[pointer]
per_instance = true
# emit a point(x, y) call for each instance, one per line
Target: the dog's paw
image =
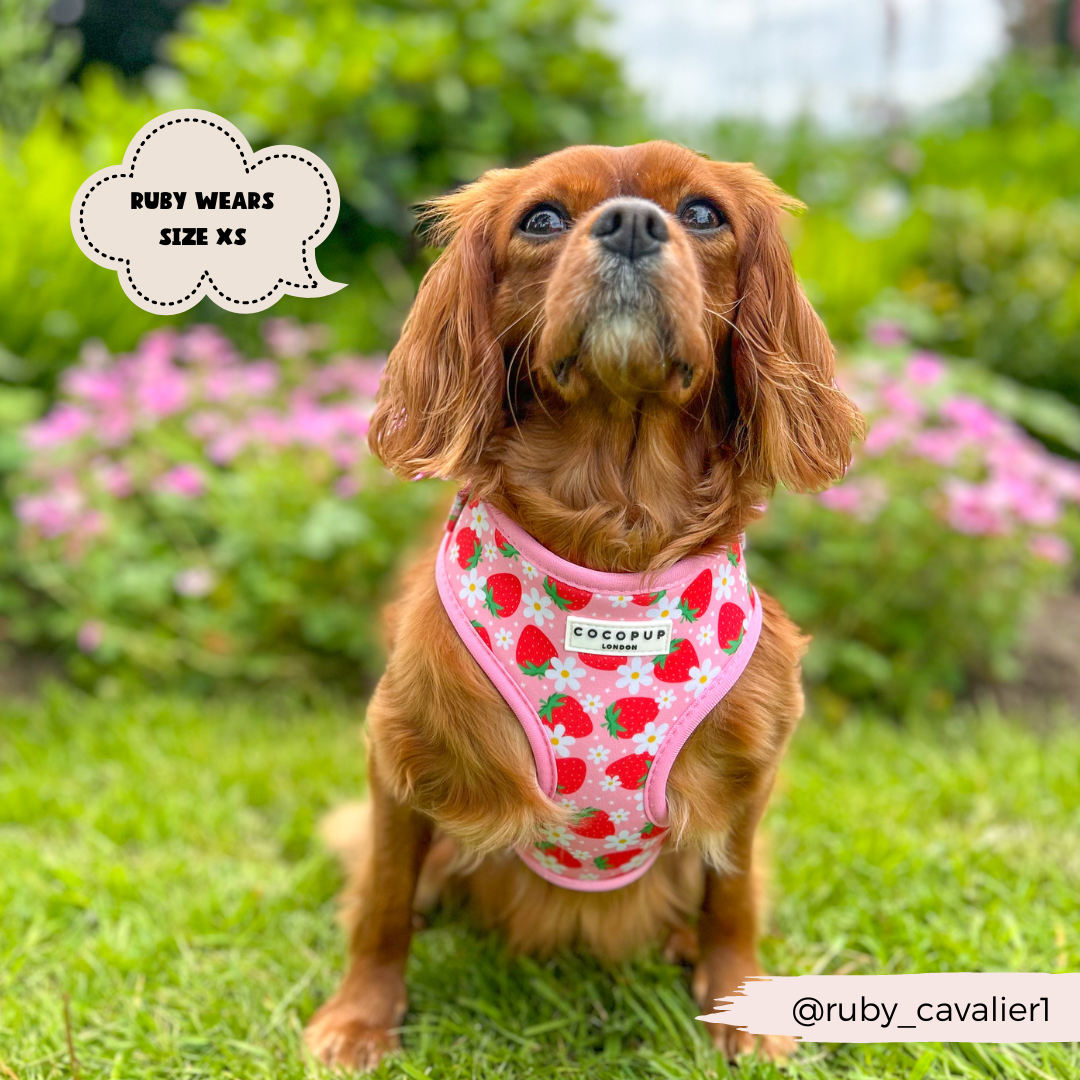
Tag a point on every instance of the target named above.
point(735, 1043)
point(682, 946)
point(340, 1036)
point(719, 975)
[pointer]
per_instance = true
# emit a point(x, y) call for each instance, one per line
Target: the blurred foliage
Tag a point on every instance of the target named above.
point(34, 59)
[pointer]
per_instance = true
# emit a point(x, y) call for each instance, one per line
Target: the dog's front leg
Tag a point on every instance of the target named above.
point(727, 939)
point(355, 1028)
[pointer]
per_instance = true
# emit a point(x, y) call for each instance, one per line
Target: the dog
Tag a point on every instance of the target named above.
point(613, 355)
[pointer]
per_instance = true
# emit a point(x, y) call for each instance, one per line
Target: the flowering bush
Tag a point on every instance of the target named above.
point(187, 509)
point(916, 573)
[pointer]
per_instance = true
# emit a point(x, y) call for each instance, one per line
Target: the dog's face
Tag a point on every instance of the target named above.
point(640, 277)
point(629, 261)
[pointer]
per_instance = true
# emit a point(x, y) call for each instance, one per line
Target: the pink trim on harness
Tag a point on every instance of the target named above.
point(609, 675)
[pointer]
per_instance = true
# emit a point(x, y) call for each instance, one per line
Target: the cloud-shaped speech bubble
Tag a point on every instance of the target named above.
point(192, 211)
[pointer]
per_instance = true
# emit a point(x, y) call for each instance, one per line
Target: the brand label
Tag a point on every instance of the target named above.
point(638, 637)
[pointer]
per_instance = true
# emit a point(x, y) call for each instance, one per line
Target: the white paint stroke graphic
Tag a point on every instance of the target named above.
point(998, 1007)
point(192, 211)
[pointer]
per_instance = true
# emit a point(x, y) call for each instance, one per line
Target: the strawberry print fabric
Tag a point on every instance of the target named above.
point(604, 729)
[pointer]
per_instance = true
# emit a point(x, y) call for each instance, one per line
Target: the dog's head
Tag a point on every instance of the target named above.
point(621, 279)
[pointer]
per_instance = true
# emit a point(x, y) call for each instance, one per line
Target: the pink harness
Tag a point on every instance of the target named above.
point(609, 675)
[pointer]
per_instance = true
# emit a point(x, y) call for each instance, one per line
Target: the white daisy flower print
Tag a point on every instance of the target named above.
point(559, 834)
point(610, 783)
point(667, 607)
point(620, 601)
point(581, 856)
point(565, 672)
point(480, 521)
point(538, 607)
point(548, 862)
point(598, 754)
point(743, 579)
point(620, 815)
point(700, 677)
point(637, 860)
point(560, 741)
point(592, 703)
point(528, 569)
point(568, 804)
point(472, 588)
point(665, 699)
point(706, 635)
point(622, 840)
point(634, 675)
point(648, 741)
point(491, 552)
point(503, 638)
point(725, 581)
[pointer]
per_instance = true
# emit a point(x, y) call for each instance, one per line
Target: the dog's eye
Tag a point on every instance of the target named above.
point(701, 216)
point(543, 221)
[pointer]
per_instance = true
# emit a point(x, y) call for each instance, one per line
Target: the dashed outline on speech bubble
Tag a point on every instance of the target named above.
point(313, 283)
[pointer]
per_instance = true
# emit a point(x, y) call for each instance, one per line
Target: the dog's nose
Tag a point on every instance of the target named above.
point(631, 228)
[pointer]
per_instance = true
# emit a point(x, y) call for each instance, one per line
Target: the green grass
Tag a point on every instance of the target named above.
point(158, 870)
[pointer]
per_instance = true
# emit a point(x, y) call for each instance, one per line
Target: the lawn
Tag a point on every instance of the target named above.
point(159, 872)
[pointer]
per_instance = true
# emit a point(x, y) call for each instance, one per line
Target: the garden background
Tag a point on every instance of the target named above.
point(194, 544)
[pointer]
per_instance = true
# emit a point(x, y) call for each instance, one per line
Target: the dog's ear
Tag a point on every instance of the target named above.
point(441, 392)
point(794, 424)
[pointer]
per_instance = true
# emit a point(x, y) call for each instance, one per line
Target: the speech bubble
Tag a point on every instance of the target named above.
point(193, 212)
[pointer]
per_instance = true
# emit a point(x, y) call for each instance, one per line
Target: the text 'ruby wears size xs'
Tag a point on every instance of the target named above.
point(608, 674)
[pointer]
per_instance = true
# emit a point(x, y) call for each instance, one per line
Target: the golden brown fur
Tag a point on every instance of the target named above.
point(623, 435)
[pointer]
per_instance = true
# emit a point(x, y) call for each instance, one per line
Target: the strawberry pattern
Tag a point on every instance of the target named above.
point(604, 729)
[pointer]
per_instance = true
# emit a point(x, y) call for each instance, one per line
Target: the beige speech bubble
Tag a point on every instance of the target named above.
point(192, 211)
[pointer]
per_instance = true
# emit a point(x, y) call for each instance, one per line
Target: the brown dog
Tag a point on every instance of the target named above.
point(613, 351)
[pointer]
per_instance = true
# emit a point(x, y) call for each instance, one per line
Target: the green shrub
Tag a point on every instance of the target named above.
point(403, 100)
point(183, 511)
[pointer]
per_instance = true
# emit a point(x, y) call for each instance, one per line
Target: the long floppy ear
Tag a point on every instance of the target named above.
point(441, 391)
point(795, 425)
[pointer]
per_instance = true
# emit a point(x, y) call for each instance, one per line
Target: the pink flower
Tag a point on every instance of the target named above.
point(227, 445)
point(883, 433)
point(1050, 547)
point(194, 582)
point(183, 480)
point(53, 513)
point(942, 446)
point(90, 636)
point(63, 424)
point(208, 346)
point(287, 337)
point(114, 478)
point(925, 368)
point(162, 392)
point(116, 426)
point(887, 333)
point(975, 509)
point(902, 403)
point(206, 425)
point(976, 420)
point(98, 386)
point(861, 497)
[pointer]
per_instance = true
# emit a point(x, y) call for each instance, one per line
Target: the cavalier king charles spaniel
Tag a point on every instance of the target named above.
point(613, 353)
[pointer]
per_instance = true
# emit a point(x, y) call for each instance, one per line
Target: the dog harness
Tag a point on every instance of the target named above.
point(609, 675)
